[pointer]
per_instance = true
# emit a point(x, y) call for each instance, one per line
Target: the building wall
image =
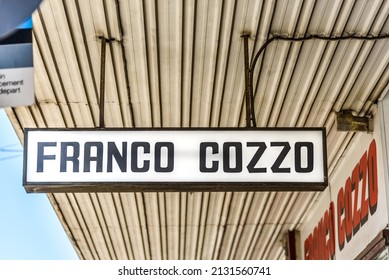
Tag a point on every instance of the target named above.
point(353, 210)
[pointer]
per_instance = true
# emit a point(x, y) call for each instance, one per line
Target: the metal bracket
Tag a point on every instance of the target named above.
point(250, 117)
point(104, 41)
point(346, 121)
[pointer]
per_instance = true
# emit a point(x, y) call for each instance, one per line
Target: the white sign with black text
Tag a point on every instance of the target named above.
point(199, 156)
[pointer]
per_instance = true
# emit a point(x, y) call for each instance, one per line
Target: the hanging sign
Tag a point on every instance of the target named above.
point(174, 159)
point(16, 68)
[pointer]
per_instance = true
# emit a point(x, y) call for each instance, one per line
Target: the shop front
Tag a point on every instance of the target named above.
point(350, 218)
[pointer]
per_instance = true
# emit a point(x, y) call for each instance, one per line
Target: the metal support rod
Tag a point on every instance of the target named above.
point(247, 79)
point(252, 113)
point(102, 82)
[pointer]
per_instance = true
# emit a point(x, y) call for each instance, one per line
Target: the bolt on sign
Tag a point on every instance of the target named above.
point(83, 160)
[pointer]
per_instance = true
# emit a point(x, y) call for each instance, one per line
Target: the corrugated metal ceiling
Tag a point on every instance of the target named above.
point(181, 64)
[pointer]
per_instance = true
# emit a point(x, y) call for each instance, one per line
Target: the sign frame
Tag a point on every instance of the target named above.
point(176, 186)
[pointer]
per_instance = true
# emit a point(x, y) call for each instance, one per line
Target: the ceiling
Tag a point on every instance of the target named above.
point(181, 64)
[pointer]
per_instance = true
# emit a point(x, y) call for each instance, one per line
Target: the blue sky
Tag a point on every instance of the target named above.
point(29, 227)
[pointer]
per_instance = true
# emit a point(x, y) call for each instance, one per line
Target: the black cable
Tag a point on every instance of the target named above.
point(300, 39)
point(314, 37)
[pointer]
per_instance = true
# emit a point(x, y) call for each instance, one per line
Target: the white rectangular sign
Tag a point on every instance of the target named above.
point(183, 159)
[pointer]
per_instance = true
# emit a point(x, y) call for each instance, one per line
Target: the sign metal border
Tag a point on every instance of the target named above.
point(85, 187)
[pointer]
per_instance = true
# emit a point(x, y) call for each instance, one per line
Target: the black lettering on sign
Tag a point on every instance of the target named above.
point(168, 148)
point(299, 147)
point(41, 154)
point(257, 156)
point(285, 150)
point(227, 166)
point(134, 156)
point(120, 158)
point(97, 148)
point(65, 157)
point(214, 147)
